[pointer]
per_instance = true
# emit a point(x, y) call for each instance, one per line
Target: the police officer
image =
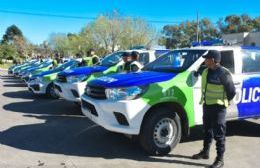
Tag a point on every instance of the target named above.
point(217, 91)
point(131, 63)
point(56, 61)
point(91, 59)
point(125, 67)
point(135, 64)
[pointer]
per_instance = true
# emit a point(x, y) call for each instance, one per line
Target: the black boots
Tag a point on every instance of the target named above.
point(219, 163)
point(201, 155)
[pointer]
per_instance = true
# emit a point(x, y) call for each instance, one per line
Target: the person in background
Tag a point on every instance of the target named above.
point(91, 58)
point(131, 63)
point(125, 67)
point(56, 61)
point(135, 64)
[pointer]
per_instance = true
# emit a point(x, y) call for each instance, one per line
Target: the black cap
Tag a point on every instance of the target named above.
point(213, 54)
point(126, 54)
point(134, 53)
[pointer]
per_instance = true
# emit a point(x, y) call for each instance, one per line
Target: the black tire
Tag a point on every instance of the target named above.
point(78, 104)
point(155, 126)
point(50, 92)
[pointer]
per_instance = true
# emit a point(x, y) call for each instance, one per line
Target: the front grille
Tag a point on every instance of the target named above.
point(62, 79)
point(35, 87)
point(75, 93)
point(57, 87)
point(95, 92)
point(26, 79)
point(91, 108)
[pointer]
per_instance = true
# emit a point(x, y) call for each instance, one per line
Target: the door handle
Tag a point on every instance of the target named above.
point(237, 83)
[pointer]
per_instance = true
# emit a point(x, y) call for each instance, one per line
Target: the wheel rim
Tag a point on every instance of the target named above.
point(53, 92)
point(164, 132)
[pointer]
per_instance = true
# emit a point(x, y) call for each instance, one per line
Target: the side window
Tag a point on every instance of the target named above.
point(227, 60)
point(144, 58)
point(251, 61)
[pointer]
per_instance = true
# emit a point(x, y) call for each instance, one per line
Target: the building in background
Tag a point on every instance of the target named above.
point(246, 38)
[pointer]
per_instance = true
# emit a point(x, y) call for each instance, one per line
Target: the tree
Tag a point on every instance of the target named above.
point(208, 30)
point(11, 32)
point(238, 24)
point(60, 43)
point(183, 34)
point(256, 24)
point(136, 32)
point(107, 33)
point(8, 51)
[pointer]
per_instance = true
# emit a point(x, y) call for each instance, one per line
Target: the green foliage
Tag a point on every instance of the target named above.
point(106, 34)
point(239, 24)
point(10, 33)
point(181, 35)
point(8, 51)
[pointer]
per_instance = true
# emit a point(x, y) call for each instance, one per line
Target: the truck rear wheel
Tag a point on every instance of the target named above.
point(161, 131)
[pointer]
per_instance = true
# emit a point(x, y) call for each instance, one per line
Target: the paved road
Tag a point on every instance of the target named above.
point(36, 132)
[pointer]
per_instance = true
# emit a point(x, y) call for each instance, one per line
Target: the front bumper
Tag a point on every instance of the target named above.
point(16, 74)
point(10, 72)
point(38, 88)
point(118, 116)
point(25, 78)
point(70, 91)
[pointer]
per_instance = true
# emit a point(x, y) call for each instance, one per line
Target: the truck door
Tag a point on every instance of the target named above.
point(231, 59)
point(248, 97)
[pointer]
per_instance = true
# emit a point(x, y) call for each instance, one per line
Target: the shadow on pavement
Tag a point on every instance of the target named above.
point(240, 128)
point(13, 81)
point(23, 94)
point(44, 106)
point(6, 77)
point(15, 85)
point(77, 136)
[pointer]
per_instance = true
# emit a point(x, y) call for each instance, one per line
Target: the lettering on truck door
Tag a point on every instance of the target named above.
point(248, 96)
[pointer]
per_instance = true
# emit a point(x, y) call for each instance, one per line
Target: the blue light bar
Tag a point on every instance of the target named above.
point(214, 42)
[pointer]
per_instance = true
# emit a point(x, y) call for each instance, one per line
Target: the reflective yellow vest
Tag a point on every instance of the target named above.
point(212, 93)
point(122, 68)
point(89, 60)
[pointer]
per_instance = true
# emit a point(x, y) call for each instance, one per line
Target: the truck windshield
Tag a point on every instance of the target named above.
point(175, 61)
point(68, 64)
point(112, 59)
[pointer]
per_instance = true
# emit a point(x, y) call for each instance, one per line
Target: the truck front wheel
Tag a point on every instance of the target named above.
point(161, 131)
point(50, 91)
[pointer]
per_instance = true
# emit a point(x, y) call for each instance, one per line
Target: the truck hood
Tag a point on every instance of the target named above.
point(131, 79)
point(38, 67)
point(56, 70)
point(83, 70)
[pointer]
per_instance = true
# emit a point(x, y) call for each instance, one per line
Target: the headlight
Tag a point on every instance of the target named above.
point(128, 93)
point(38, 79)
point(26, 74)
point(77, 78)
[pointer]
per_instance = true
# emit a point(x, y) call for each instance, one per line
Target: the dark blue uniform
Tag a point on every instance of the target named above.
point(214, 116)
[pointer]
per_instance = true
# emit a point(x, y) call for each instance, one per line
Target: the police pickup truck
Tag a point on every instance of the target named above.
point(71, 84)
point(160, 104)
point(42, 83)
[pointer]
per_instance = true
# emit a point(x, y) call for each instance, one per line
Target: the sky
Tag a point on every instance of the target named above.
point(38, 28)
